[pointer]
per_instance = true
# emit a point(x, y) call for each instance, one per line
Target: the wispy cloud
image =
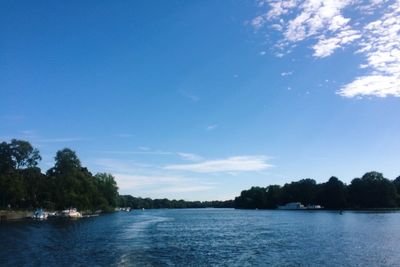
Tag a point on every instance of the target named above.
point(190, 156)
point(141, 152)
point(283, 74)
point(211, 127)
point(325, 23)
point(185, 188)
point(28, 133)
point(131, 176)
point(190, 95)
point(59, 140)
point(231, 164)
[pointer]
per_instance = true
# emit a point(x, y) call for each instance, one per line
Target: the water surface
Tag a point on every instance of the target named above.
point(205, 237)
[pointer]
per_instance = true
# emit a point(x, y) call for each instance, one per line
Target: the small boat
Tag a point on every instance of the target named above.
point(39, 214)
point(292, 206)
point(71, 213)
point(314, 207)
point(127, 209)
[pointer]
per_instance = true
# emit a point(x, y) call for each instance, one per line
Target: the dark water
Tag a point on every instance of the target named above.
point(206, 237)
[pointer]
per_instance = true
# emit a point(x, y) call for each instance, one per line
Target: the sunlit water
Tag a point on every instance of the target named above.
point(206, 237)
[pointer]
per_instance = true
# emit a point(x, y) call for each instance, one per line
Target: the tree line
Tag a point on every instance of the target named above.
point(67, 184)
point(148, 203)
point(370, 191)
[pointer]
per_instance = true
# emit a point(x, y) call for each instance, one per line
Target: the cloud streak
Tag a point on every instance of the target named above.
point(59, 140)
point(131, 176)
point(231, 164)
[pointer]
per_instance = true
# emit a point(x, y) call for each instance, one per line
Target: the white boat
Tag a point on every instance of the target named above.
point(292, 206)
point(314, 207)
point(71, 213)
point(39, 214)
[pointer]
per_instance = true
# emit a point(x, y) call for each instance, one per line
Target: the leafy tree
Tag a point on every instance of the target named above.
point(304, 191)
point(372, 191)
point(6, 163)
point(333, 194)
point(396, 183)
point(17, 158)
point(108, 188)
point(253, 198)
point(23, 154)
point(73, 184)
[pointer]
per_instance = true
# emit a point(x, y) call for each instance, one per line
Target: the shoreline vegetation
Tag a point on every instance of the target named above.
point(24, 188)
point(370, 192)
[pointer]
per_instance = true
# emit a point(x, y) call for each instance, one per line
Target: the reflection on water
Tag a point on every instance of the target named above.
point(205, 237)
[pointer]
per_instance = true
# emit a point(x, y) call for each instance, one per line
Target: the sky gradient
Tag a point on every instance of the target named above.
point(202, 99)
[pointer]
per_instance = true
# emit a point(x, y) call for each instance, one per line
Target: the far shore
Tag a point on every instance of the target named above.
point(12, 215)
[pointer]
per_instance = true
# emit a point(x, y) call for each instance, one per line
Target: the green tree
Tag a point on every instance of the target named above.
point(73, 185)
point(333, 194)
point(107, 188)
point(18, 159)
point(396, 183)
point(372, 191)
point(304, 191)
point(23, 154)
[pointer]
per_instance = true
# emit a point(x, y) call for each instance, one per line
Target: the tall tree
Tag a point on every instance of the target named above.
point(372, 191)
point(17, 159)
point(23, 154)
point(108, 188)
point(333, 194)
point(304, 191)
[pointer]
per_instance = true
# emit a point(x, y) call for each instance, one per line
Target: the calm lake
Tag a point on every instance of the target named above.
point(205, 237)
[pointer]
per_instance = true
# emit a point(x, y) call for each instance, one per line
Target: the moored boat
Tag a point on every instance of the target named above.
point(71, 213)
point(292, 206)
point(39, 214)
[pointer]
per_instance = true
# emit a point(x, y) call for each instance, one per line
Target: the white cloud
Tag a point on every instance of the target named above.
point(325, 23)
point(140, 152)
point(185, 189)
point(189, 156)
point(326, 46)
point(280, 7)
point(286, 73)
point(377, 85)
point(258, 22)
point(132, 181)
point(131, 176)
point(231, 164)
point(211, 127)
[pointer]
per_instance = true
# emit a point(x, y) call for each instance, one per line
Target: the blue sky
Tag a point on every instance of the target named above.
point(202, 99)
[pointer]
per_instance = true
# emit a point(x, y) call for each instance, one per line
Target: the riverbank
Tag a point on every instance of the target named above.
point(12, 215)
point(6, 215)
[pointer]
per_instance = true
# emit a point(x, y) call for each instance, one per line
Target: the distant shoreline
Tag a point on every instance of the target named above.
point(16, 215)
